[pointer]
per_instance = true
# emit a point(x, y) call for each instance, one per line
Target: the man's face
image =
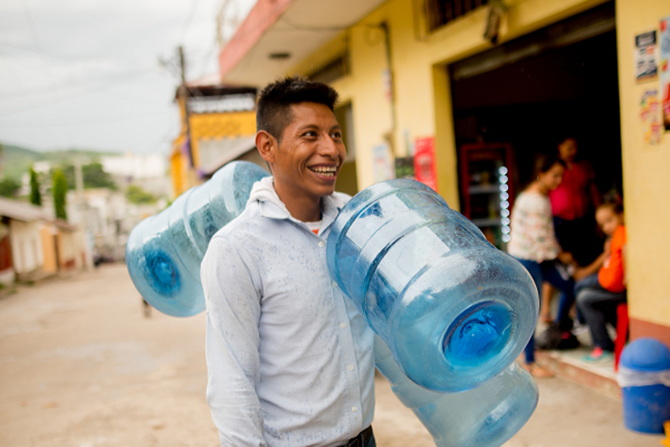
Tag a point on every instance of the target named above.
point(306, 162)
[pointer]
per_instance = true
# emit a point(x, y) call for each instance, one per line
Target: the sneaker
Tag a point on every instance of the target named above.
point(597, 355)
point(580, 328)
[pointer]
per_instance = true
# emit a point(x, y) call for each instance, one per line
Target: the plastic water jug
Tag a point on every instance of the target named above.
point(644, 377)
point(453, 309)
point(484, 416)
point(164, 251)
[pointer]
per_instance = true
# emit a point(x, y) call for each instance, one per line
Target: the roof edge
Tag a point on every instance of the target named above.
point(262, 16)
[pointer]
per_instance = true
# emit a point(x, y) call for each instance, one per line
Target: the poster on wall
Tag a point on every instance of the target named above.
point(665, 72)
point(649, 115)
point(646, 66)
point(404, 167)
point(424, 161)
point(382, 163)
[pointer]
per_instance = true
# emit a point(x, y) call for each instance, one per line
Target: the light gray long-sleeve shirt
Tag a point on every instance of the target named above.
point(289, 356)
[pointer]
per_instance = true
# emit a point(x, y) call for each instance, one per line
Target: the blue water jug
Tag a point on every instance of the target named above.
point(644, 377)
point(484, 416)
point(453, 309)
point(164, 251)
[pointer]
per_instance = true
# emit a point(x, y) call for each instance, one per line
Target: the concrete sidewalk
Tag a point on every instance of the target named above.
point(567, 415)
point(82, 366)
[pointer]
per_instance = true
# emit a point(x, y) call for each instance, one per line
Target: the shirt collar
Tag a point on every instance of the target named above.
point(270, 205)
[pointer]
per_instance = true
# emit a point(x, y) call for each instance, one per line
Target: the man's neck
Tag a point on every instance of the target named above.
point(304, 209)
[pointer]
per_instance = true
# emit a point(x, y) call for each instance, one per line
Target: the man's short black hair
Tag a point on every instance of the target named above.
point(273, 111)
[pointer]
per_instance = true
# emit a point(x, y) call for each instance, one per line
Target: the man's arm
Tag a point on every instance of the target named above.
point(233, 312)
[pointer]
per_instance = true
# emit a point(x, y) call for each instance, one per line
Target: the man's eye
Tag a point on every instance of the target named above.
point(337, 135)
point(309, 133)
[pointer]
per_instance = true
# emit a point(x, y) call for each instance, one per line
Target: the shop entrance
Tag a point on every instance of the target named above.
point(528, 93)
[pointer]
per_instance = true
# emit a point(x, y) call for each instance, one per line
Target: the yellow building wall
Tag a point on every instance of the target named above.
point(422, 101)
point(49, 249)
point(179, 167)
point(181, 171)
point(204, 126)
point(646, 181)
point(220, 125)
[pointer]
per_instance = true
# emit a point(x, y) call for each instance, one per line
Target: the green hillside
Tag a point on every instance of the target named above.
point(15, 161)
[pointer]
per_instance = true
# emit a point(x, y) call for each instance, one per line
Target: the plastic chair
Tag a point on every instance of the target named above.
point(621, 332)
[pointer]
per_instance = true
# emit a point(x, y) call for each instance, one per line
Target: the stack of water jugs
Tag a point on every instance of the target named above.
point(451, 312)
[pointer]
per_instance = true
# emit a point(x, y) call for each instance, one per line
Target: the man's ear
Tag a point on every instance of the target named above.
point(266, 144)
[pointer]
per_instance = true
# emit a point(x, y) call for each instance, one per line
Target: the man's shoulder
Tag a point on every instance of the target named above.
point(236, 235)
point(244, 222)
point(340, 198)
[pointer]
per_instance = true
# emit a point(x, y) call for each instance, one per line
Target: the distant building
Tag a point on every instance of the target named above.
point(108, 218)
point(218, 125)
point(34, 245)
point(148, 171)
point(137, 166)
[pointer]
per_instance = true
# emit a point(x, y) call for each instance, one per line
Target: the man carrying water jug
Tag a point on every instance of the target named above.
point(289, 357)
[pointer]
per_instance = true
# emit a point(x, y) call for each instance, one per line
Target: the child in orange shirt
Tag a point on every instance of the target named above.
point(599, 294)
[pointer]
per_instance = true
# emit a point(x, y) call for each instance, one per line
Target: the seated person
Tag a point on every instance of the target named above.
point(601, 285)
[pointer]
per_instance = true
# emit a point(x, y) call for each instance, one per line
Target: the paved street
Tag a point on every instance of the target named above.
point(81, 366)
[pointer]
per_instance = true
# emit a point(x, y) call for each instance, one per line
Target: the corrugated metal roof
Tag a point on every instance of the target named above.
point(22, 211)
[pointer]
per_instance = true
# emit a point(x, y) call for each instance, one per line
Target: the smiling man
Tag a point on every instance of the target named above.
point(289, 357)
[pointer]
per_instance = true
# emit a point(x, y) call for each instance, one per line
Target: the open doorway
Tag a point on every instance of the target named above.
point(558, 81)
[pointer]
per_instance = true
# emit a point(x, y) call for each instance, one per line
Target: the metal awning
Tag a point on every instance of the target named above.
point(296, 28)
point(217, 152)
point(22, 211)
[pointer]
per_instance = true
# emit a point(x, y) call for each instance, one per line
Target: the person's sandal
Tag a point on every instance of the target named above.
point(538, 371)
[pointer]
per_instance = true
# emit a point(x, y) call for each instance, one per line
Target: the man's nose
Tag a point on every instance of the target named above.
point(330, 147)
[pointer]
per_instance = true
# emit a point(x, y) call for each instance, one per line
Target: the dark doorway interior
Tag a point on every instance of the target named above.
point(561, 80)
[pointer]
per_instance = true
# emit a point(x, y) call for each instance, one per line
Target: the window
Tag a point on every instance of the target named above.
point(332, 71)
point(441, 12)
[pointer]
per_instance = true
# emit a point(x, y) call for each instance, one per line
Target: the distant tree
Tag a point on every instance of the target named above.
point(59, 189)
point(138, 196)
point(9, 187)
point(94, 176)
point(35, 194)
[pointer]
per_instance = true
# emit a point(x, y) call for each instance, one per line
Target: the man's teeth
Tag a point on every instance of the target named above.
point(325, 170)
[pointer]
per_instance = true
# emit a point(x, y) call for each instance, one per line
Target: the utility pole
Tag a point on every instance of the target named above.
point(183, 96)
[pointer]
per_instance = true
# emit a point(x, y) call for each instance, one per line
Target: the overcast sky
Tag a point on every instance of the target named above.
point(87, 74)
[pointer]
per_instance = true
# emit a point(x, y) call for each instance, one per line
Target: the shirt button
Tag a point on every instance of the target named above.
point(354, 409)
point(343, 325)
point(322, 244)
point(350, 367)
point(334, 283)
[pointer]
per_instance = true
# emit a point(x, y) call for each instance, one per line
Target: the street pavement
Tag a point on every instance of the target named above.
point(83, 366)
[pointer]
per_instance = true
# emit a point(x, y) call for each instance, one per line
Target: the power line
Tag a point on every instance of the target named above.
point(189, 20)
point(66, 84)
point(73, 91)
point(31, 24)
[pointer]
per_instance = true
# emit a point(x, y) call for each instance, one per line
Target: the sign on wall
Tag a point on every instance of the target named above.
point(382, 163)
point(424, 161)
point(665, 72)
point(646, 66)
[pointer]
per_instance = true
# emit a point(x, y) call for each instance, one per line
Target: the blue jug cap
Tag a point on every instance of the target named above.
point(646, 354)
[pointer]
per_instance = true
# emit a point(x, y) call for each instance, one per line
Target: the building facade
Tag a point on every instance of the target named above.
point(218, 124)
point(423, 82)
